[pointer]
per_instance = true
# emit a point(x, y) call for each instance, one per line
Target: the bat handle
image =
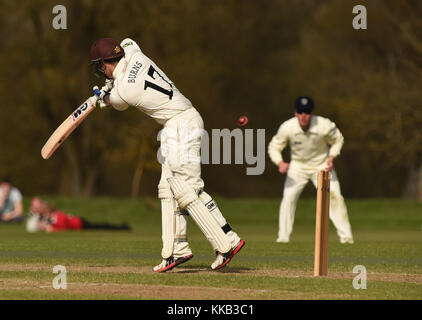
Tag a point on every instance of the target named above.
point(97, 92)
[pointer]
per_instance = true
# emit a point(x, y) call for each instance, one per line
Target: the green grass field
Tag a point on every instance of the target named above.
point(118, 265)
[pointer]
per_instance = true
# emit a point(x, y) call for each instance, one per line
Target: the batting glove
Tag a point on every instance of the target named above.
point(109, 83)
point(101, 94)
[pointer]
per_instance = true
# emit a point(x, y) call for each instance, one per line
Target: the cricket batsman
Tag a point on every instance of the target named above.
point(132, 79)
point(314, 143)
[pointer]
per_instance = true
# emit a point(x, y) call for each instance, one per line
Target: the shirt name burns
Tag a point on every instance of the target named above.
point(133, 73)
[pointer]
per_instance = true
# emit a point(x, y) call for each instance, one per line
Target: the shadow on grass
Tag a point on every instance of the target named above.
point(201, 269)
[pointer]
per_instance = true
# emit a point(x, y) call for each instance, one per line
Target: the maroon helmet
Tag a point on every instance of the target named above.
point(104, 49)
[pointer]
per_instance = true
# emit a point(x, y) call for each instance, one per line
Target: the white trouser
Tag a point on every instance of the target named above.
point(295, 182)
point(180, 146)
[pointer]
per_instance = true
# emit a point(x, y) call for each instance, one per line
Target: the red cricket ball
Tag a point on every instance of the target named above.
point(242, 121)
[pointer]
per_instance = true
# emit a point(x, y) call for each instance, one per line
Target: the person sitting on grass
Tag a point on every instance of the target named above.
point(45, 217)
point(11, 207)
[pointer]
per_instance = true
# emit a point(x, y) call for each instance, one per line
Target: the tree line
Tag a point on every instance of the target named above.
point(230, 58)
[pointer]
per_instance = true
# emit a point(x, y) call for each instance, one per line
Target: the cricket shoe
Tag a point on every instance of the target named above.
point(170, 263)
point(224, 258)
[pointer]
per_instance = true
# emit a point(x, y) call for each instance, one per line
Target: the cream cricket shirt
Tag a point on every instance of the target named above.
point(310, 148)
point(140, 83)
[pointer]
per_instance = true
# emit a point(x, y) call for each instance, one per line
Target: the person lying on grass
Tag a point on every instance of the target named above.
point(45, 217)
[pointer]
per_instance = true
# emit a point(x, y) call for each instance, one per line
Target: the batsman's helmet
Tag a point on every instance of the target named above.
point(104, 49)
point(304, 104)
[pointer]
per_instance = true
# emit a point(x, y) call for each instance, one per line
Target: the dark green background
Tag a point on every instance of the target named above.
point(230, 58)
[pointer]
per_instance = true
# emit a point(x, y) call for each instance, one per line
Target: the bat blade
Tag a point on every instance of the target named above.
point(67, 127)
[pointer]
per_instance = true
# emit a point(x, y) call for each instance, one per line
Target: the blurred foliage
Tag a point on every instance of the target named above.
point(230, 58)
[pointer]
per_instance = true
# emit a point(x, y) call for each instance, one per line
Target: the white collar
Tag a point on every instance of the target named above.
point(121, 67)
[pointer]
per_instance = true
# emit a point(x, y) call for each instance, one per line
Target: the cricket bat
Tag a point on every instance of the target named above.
point(67, 126)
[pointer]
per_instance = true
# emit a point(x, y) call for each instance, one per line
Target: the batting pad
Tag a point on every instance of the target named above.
point(187, 199)
point(181, 225)
point(212, 207)
point(167, 219)
point(181, 245)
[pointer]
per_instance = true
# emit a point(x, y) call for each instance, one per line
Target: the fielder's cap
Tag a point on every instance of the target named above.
point(304, 104)
point(106, 49)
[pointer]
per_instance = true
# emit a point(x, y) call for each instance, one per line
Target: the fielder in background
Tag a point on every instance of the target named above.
point(132, 79)
point(11, 207)
point(314, 143)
